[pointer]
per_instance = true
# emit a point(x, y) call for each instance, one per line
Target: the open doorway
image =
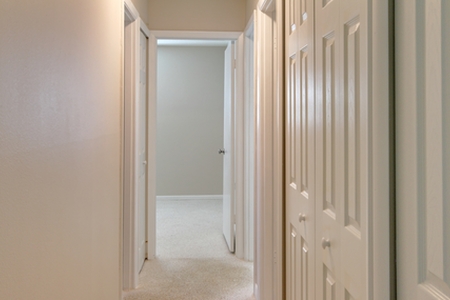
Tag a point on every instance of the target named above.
point(178, 154)
point(193, 123)
point(190, 123)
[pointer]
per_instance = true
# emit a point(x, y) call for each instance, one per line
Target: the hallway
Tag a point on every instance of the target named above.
point(351, 144)
point(193, 261)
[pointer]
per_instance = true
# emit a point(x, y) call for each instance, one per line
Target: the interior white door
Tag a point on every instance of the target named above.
point(300, 150)
point(342, 174)
point(423, 149)
point(228, 147)
point(142, 153)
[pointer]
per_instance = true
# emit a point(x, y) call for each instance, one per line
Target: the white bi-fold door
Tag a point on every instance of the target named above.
point(342, 136)
point(300, 150)
point(423, 149)
point(327, 150)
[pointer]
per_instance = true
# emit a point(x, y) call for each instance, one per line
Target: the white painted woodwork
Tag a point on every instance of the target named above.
point(137, 189)
point(189, 197)
point(154, 36)
point(240, 181)
point(300, 150)
point(249, 140)
point(423, 149)
point(342, 174)
point(131, 91)
point(142, 153)
point(269, 152)
point(228, 146)
point(336, 116)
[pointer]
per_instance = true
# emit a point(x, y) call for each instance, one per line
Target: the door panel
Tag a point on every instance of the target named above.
point(423, 149)
point(228, 146)
point(300, 150)
point(342, 149)
point(142, 153)
point(328, 149)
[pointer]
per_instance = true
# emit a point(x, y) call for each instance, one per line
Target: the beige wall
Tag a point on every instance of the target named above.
point(60, 108)
point(197, 15)
point(142, 7)
point(190, 120)
point(250, 5)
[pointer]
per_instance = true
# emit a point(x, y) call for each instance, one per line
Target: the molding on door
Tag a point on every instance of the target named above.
point(131, 13)
point(239, 154)
point(269, 200)
point(267, 6)
point(129, 265)
point(188, 197)
point(131, 94)
point(198, 35)
point(382, 176)
point(249, 141)
point(178, 35)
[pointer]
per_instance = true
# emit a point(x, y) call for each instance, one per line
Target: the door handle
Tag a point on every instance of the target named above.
point(325, 243)
point(222, 151)
point(301, 218)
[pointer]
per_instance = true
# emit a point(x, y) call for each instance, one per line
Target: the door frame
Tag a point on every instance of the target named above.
point(131, 60)
point(245, 233)
point(269, 178)
point(154, 35)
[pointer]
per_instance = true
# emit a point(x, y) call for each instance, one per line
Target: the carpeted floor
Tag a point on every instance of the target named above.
point(193, 261)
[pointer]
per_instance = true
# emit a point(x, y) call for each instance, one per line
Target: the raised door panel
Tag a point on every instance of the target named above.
point(356, 137)
point(423, 150)
point(343, 137)
point(329, 156)
point(300, 205)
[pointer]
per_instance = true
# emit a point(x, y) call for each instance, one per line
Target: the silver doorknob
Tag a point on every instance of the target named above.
point(301, 218)
point(221, 151)
point(144, 162)
point(325, 243)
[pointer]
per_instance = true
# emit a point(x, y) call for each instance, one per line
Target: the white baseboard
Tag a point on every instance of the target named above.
point(189, 197)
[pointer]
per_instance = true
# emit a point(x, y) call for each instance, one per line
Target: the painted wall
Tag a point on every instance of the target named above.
point(142, 7)
point(60, 141)
point(197, 15)
point(190, 120)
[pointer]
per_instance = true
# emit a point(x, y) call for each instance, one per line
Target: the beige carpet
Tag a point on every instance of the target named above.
point(193, 261)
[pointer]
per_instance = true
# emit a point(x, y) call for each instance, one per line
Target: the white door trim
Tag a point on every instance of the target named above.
point(155, 35)
point(130, 11)
point(239, 154)
point(248, 144)
point(196, 35)
point(269, 152)
point(381, 204)
point(131, 59)
point(131, 91)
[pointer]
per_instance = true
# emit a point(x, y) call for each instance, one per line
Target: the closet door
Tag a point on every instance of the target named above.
point(342, 174)
point(300, 150)
point(423, 149)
